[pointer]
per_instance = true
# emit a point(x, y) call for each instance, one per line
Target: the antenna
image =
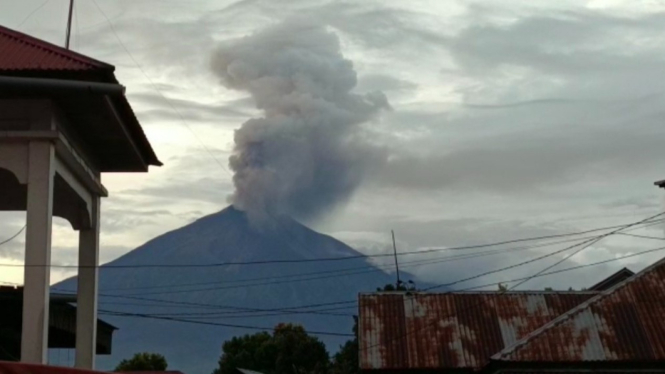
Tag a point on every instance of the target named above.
point(395, 254)
point(69, 23)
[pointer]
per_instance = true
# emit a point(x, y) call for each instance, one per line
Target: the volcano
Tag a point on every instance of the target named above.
point(227, 290)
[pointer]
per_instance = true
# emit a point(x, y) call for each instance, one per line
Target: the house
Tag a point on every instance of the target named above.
point(62, 324)
point(618, 328)
point(612, 280)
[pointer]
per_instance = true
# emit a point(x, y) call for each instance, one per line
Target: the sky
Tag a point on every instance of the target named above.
point(507, 120)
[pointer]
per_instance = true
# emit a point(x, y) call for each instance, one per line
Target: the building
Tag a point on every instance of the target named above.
point(18, 368)
point(64, 121)
point(62, 324)
point(619, 328)
point(612, 280)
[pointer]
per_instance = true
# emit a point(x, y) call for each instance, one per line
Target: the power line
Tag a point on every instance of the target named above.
point(345, 271)
point(13, 236)
point(226, 314)
point(247, 327)
point(589, 242)
point(641, 236)
point(154, 86)
point(348, 272)
point(31, 13)
point(353, 301)
point(320, 259)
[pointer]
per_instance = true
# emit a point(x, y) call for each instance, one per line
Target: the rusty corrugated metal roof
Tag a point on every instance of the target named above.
point(624, 323)
point(451, 330)
point(19, 52)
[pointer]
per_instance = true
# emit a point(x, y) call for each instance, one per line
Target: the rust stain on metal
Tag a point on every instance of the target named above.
point(451, 330)
point(624, 323)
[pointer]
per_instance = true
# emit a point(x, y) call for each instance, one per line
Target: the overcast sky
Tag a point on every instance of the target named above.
point(508, 120)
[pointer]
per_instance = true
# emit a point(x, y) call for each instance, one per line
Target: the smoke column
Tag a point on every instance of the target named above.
point(311, 148)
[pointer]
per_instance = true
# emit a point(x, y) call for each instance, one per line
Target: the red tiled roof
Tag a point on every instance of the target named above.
point(27, 57)
point(20, 52)
point(21, 368)
point(451, 330)
point(624, 323)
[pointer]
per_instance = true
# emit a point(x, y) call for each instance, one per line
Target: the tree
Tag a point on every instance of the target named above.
point(289, 350)
point(143, 362)
point(346, 360)
point(401, 286)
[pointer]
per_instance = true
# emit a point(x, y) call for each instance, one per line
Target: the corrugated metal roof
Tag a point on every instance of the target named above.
point(624, 323)
point(451, 330)
point(20, 52)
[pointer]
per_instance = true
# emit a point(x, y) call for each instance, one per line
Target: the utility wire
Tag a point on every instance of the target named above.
point(641, 236)
point(320, 259)
point(354, 301)
point(587, 244)
point(31, 14)
point(343, 272)
point(13, 236)
point(154, 86)
point(370, 268)
point(590, 244)
point(247, 327)
point(226, 314)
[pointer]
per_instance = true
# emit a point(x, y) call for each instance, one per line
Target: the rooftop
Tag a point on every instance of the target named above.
point(106, 123)
point(623, 323)
point(451, 330)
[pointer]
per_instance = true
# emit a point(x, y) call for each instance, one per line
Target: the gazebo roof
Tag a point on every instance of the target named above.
point(105, 123)
point(21, 52)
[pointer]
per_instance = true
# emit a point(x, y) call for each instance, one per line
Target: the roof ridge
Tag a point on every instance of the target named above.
point(566, 316)
point(53, 48)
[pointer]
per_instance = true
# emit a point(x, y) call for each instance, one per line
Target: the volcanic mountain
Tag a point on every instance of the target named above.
point(244, 271)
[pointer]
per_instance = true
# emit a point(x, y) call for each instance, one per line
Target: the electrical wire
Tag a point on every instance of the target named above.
point(13, 236)
point(31, 14)
point(247, 327)
point(354, 301)
point(289, 309)
point(346, 272)
point(321, 259)
point(587, 244)
point(590, 244)
point(154, 86)
point(230, 314)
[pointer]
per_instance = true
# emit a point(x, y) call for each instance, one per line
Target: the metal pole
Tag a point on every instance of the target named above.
point(69, 23)
point(395, 254)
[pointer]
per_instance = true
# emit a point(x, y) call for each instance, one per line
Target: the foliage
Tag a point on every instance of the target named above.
point(143, 362)
point(401, 286)
point(289, 350)
point(346, 360)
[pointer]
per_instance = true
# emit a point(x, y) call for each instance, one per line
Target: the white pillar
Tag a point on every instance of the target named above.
point(34, 334)
point(88, 277)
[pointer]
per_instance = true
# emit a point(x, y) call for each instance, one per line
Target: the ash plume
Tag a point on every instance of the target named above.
point(311, 147)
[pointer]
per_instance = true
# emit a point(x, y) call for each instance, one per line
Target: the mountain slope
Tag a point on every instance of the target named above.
point(226, 237)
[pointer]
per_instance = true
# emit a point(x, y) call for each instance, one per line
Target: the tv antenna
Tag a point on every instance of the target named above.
point(396, 262)
point(69, 23)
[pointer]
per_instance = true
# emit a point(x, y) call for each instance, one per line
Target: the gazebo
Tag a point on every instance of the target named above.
point(64, 120)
